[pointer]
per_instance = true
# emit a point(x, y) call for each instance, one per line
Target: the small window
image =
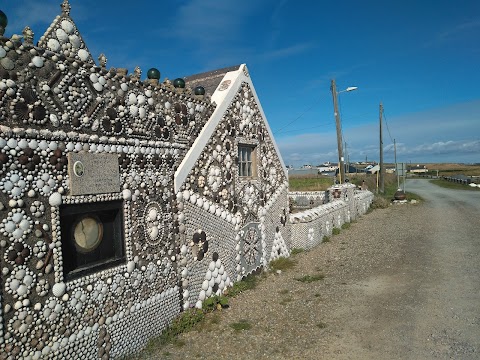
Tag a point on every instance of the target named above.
point(92, 237)
point(246, 161)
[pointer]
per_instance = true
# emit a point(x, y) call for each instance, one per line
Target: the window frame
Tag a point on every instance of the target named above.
point(247, 165)
point(78, 263)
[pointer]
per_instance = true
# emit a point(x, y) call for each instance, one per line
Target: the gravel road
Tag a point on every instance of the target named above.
point(400, 283)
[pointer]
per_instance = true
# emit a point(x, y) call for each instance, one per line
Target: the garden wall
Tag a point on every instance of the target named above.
point(309, 227)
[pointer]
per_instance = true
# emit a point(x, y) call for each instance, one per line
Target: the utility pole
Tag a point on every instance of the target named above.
point(347, 167)
point(341, 167)
point(382, 169)
point(396, 169)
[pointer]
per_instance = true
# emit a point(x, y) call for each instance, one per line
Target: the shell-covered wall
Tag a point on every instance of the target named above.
point(238, 220)
point(56, 106)
point(309, 227)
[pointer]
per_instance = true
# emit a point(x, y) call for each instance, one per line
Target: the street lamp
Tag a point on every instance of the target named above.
point(341, 164)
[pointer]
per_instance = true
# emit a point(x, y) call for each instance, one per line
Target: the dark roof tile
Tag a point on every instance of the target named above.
point(209, 80)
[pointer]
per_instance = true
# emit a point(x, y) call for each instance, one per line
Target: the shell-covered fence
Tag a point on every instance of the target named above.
point(309, 227)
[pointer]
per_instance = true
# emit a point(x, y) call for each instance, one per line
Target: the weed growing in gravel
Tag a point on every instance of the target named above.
point(296, 251)
point(317, 295)
point(285, 301)
point(335, 231)
point(326, 239)
point(321, 325)
point(241, 325)
point(310, 278)
point(215, 303)
point(181, 324)
point(248, 283)
point(346, 226)
point(379, 203)
point(282, 264)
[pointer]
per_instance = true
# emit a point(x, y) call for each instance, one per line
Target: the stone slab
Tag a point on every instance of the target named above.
point(93, 173)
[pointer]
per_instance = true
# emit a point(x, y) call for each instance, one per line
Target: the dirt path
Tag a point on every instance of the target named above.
point(401, 283)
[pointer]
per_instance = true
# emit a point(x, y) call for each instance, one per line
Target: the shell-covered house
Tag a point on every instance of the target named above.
point(124, 201)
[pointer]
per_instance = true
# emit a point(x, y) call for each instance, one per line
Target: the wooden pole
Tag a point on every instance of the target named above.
point(382, 168)
point(341, 167)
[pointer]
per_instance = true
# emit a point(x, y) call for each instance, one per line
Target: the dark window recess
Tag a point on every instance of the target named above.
point(92, 237)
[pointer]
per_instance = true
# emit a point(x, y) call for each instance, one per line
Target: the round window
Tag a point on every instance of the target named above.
point(88, 233)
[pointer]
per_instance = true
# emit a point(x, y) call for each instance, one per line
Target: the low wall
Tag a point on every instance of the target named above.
point(307, 199)
point(309, 227)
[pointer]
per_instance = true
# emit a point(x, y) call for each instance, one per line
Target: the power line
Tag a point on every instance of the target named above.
point(386, 123)
point(298, 117)
point(308, 128)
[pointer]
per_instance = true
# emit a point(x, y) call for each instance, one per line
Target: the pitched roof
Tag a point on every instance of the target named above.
point(209, 80)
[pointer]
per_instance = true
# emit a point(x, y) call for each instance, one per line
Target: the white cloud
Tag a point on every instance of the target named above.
point(444, 134)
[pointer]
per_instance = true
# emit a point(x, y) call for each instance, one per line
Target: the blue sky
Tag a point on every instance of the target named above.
point(419, 58)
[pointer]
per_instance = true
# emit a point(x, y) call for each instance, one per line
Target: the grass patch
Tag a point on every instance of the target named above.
point(285, 301)
point(282, 264)
point(248, 283)
point(185, 322)
point(310, 278)
point(321, 325)
point(451, 185)
point(296, 251)
point(346, 226)
point(241, 325)
point(379, 202)
point(335, 231)
point(326, 239)
point(215, 303)
point(317, 295)
point(309, 182)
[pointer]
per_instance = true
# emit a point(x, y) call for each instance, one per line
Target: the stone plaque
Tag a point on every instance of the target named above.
point(93, 173)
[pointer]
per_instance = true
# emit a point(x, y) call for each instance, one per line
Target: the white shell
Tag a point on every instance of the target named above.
point(53, 44)
point(59, 289)
point(127, 194)
point(75, 41)
point(130, 266)
point(97, 85)
point(55, 199)
point(83, 54)
point(67, 26)
point(37, 61)
point(61, 35)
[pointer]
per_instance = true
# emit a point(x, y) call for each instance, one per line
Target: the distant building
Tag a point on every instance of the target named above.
point(417, 169)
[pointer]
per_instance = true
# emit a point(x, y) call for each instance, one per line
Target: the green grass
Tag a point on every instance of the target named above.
point(335, 231)
point(451, 185)
point(282, 264)
point(296, 251)
point(241, 325)
point(309, 183)
point(248, 283)
point(326, 239)
point(310, 278)
point(346, 226)
point(390, 187)
point(185, 322)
